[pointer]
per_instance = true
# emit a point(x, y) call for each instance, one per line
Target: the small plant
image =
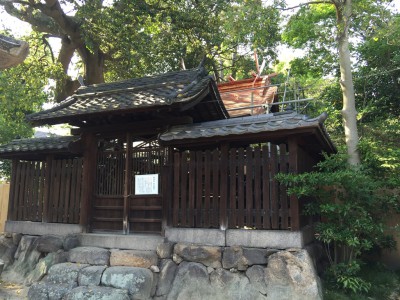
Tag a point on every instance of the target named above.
point(351, 203)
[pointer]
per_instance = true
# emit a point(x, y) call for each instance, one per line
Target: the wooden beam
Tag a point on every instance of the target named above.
point(139, 127)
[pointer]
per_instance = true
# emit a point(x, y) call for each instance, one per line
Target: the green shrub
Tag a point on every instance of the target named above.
point(351, 203)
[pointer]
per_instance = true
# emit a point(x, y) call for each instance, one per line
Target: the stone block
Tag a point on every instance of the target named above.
point(166, 277)
point(44, 265)
point(71, 241)
point(89, 255)
point(208, 255)
point(91, 275)
point(233, 258)
point(49, 243)
point(65, 273)
point(256, 256)
point(190, 282)
point(133, 258)
point(290, 275)
point(97, 293)
point(164, 250)
point(138, 281)
point(256, 276)
point(214, 237)
point(279, 239)
point(49, 291)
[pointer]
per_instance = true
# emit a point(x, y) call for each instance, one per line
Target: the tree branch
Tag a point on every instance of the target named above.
point(306, 4)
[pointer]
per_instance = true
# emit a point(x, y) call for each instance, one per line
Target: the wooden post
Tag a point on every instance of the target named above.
point(89, 172)
point(127, 183)
point(293, 168)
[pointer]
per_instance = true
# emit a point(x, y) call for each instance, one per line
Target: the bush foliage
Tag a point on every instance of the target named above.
point(352, 204)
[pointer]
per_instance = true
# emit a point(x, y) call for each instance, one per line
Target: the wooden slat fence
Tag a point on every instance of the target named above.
point(46, 192)
point(231, 188)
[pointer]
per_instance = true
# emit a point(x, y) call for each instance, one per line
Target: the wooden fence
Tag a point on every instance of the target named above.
point(46, 191)
point(231, 188)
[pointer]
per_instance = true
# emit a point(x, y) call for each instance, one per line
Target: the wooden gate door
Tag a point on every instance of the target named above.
point(145, 203)
point(128, 196)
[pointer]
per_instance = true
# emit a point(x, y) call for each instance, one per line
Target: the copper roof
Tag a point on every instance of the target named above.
point(248, 96)
point(181, 87)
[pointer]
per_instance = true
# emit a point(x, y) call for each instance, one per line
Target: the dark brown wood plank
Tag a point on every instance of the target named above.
point(72, 199)
point(192, 188)
point(274, 188)
point(42, 175)
point(223, 201)
point(28, 191)
point(233, 188)
point(241, 183)
point(199, 189)
point(68, 194)
point(47, 188)
point(266, 187)
point(12, 206)
point(127, 183)
point(283, 197)
point(207, 188)
point(88, 178)
point(257, 187)
point(78, 190)
point(57, 186)
point(293, 168)
point(184, 188)
point(176, 189)
point(21, 194)
point(249, 187)
point(215, 199)
point(35, 192)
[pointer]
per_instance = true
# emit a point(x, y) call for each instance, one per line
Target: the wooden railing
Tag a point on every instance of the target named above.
point(231, 188)
point(46, 191)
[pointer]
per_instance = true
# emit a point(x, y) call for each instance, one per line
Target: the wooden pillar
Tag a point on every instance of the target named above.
point(127, 183)
point(223, 212)
point(294, 168)
point(88, 178)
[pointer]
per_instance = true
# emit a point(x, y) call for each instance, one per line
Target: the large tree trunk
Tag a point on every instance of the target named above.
point(349, 113)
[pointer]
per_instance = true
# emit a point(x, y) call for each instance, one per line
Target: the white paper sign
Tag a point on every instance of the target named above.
point(146, 184)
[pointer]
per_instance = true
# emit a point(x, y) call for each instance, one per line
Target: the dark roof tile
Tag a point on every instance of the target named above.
point(38, 144)
point(236, 126)
point(161, 90)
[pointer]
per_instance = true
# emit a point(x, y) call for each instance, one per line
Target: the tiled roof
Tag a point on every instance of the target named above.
point(12, 52)
point(37, 144)
point(161, 90)
point(244, 125)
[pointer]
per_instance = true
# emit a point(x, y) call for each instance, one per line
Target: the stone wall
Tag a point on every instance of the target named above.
point(58, 267)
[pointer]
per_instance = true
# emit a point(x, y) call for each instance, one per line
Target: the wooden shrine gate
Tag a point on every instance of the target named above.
point(128, 196)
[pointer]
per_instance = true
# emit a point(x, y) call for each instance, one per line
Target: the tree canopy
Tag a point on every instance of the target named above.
point(121, 39)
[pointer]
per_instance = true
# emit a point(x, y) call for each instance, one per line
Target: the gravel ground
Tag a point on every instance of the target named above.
point(11, 291)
